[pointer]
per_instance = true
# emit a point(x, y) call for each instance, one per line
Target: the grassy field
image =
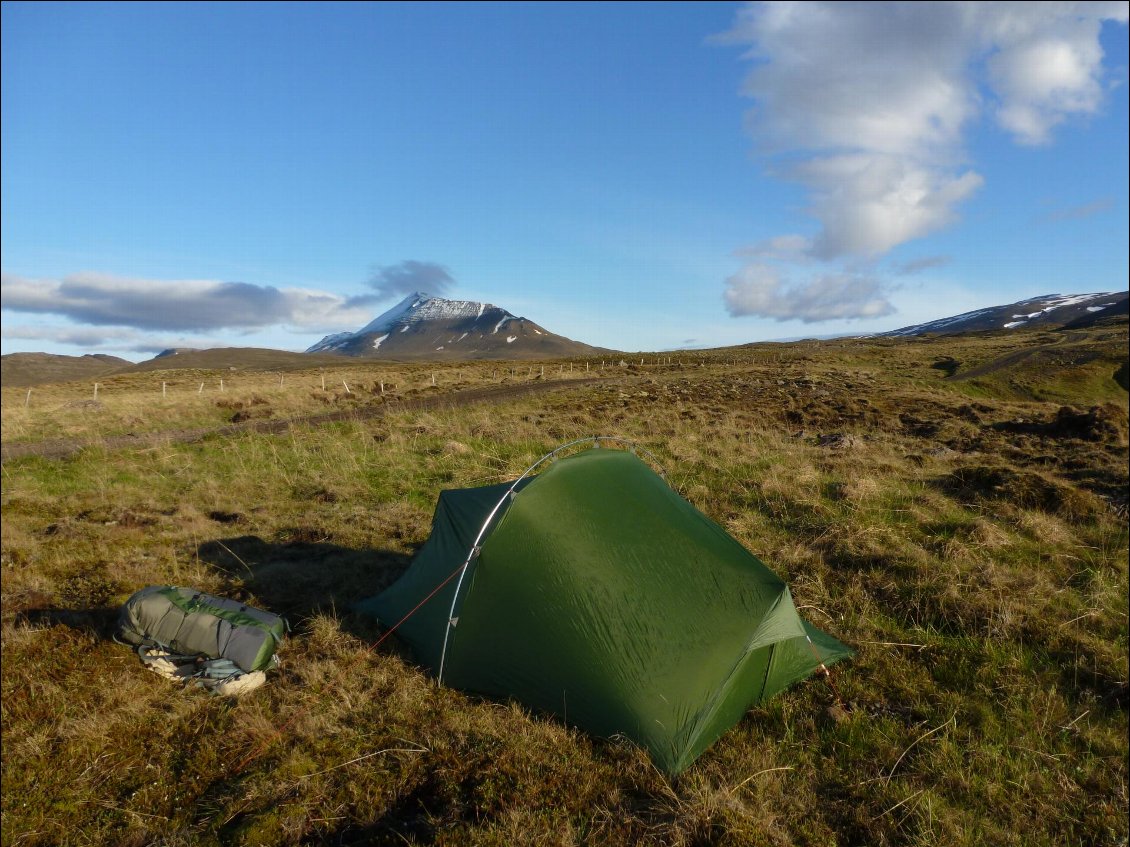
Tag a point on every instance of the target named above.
point(191, 398)
point(955, 509)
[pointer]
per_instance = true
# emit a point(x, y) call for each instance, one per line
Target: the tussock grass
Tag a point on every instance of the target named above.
point(980, 571)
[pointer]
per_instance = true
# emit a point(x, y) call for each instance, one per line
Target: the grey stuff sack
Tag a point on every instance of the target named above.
point(190, 622)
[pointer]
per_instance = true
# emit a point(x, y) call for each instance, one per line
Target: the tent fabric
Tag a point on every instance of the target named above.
point(602, 596)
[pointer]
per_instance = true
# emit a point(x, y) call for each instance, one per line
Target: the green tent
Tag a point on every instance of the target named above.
point(594, 592)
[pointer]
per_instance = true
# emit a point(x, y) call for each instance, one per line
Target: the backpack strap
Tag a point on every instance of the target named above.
point(154, 652)
point(216, 669)
point(160, 659)
point(224, 678)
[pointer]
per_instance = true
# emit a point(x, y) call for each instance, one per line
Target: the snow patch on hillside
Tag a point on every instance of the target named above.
point(435, 324)
point(331, 342)
point(1011, 316)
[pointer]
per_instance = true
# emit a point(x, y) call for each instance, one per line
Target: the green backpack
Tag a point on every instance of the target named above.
point(186, 634)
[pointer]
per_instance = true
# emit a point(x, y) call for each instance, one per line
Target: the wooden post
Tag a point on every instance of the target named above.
point(96, 391)
point(382, 386)
point(323, 382)
point(346, 384)
point(27, 399)
point(163, 393)
point(280, 380)
point(221, 385)
point(543, 371)
point(200, 390)
point(433, 377)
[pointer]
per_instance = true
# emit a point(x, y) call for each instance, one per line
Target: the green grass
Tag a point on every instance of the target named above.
point(980, 572)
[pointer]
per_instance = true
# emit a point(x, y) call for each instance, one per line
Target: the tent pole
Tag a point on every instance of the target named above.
point(477, 543)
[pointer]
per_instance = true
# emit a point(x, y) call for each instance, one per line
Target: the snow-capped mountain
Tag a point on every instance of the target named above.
point(1049, 310)
point(424, 327)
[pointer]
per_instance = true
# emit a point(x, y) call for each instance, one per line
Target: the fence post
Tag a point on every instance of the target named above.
point(163, 392)
point(96, 391)
point(27, 399)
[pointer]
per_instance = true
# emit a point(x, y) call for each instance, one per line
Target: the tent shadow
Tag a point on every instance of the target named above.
point(96, 622)
point(301, 579)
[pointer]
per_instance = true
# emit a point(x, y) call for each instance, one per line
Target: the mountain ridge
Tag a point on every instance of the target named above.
point(423, 326)
point(1045, 310)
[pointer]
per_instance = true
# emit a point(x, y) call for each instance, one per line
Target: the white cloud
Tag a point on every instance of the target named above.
point(177, 305)
point(867, 104)
point(883, 77)
point(1046, 62)
point(758, 289)
point(103, 339)
point(870, 203)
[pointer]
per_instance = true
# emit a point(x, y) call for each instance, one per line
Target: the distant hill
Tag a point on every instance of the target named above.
point(237, 358)
point(1047, 311)
point(22, 370)
point(424, 327)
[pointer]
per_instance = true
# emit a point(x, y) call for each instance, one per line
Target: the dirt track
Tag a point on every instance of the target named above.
point(63, 447)
point(1068, 344)
point(1002, 362)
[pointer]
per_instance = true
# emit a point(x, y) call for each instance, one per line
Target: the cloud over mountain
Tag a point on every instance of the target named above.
point(407, 277)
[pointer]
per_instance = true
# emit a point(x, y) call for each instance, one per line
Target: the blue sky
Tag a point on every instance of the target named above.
point(636, 176)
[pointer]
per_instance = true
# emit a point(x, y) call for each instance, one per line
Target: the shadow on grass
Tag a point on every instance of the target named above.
point(297, 579)
point(98, 622)
point(300, 579)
